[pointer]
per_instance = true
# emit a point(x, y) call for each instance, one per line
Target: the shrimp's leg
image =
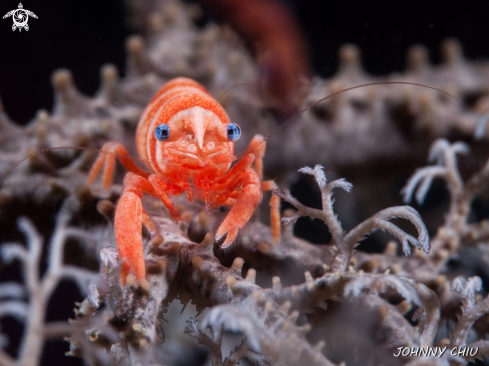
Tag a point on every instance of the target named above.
point(240, 167)
point(128, 225)
point(129, 218)
point(231, 180)
point(107, 161)
point(270, 185)
point(259, 152)
point(246, 203)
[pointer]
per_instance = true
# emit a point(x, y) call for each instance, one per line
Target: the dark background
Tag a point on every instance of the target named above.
point(84, 35)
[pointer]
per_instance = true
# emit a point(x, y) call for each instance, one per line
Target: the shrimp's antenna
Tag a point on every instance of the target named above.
point(71, 148)
point(228, 89)
point(291, 119)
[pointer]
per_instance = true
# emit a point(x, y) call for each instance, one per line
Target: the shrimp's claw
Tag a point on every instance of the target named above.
point(128, 224)
point(130, 216)
point(246, 203)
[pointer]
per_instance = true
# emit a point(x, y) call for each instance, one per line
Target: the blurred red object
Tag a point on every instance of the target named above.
point(272, 33)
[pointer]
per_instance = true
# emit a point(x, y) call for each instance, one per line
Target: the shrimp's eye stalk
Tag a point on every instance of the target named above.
point(162, 132)
point(234, 132)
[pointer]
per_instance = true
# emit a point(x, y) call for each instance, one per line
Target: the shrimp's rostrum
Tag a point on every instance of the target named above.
point(188, 141)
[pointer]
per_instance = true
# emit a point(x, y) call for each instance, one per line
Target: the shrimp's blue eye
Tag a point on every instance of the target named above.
point(162, 132)
point(234, 132)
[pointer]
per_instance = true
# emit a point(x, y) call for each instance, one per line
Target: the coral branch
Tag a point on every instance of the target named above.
point(430, 319)
point(445, 155)
point(344, 243)
point(379, 221)
point(375, 284)
point(471, 308)
point(456, 230)
point(39, 290)
point(214, 345)
point(422, 177)
point(11, 289)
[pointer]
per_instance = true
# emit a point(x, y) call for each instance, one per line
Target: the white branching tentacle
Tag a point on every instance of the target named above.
point(34, 244)
point(259, 345)
point(327, 214)
point(214, 345)
point(445, 157)
point(446, 154)
point(380, 221)
point(12, 251)
point(109, 256)
point(16, 309)
point(430, 319)
point(332, 221)
point(422, 177)
point(232, 319)
point(39, 290)
point(11, 290)
point(302, 210)
point(317, 172)
point(471, 308)
point(461, 196)
point(56, 247)
point(345, 243)
point(467, 289)
point(375, 284)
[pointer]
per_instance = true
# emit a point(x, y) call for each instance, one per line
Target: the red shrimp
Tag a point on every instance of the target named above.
point(187, 142)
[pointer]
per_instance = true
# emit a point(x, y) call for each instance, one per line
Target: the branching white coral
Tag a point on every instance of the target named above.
point(472, 308)
point(375, 284)
point(38, 289)
point(456, 229)
point(344, 243)
point(228, 318)
point(444, 155)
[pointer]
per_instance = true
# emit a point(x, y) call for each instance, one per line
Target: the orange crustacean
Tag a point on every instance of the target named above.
point(187, 141)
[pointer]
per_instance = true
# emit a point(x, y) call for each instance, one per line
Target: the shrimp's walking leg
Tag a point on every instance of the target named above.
point(129, 218)
point(246, 202)
point(259, 152)
point(268, 185)
point(107, 161)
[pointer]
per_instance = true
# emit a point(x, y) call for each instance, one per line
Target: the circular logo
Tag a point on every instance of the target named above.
point(20, 17)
